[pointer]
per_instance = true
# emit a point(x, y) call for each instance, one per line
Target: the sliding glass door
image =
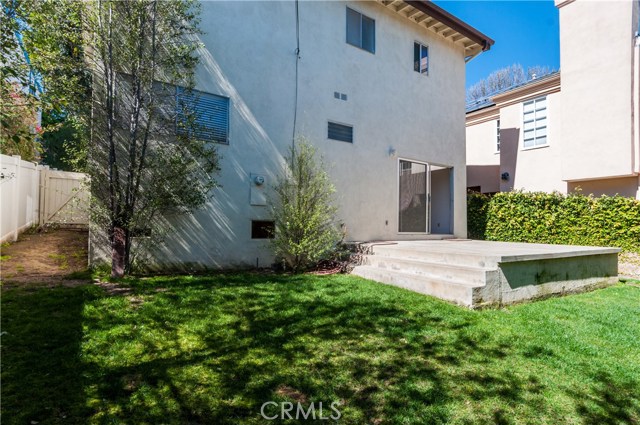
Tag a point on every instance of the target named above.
point(414, 203)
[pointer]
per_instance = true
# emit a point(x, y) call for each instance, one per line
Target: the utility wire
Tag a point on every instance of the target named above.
point(295, 104)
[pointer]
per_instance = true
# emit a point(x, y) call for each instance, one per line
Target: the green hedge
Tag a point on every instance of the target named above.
point(477, 204)
point(554, 218)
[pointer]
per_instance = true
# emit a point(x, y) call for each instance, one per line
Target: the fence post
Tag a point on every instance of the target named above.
point(35, 191)
point(44, 177)
point(16, 198)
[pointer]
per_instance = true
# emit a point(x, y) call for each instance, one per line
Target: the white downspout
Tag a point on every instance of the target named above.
point(636, 110)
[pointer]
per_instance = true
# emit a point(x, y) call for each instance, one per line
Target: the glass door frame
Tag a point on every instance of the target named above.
point(427, 196)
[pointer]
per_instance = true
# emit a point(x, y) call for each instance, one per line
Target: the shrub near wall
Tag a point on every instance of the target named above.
point(477, 204)
point(554, 218)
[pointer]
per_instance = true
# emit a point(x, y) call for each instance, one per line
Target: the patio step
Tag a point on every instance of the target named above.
point(450, 256)
point(430, 269)
point(482, 273)
point(459, 292)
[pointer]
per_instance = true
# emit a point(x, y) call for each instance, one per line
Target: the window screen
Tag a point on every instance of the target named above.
point(343, 133)
point(210, 112)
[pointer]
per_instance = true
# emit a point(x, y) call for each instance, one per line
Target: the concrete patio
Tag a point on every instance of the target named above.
point(482, 273)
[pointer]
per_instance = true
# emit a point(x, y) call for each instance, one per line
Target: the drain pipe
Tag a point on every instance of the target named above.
point(635, 89)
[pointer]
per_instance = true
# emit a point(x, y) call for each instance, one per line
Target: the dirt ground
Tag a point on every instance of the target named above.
point(44, 258)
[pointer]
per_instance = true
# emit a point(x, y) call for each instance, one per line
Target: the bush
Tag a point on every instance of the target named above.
point(477, 204)
point(554, 218)
point(304, 212)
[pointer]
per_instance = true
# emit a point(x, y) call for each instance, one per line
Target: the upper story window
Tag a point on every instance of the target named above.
point(361, 31)
point(534, 122)
point(420, 58)
point(211, 115)
point(498, 136)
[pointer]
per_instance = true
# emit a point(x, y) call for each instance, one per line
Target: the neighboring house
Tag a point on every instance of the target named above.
point(574, 130)
point(377, 87)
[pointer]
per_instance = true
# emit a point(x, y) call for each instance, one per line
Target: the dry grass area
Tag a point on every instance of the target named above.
point(629, 265)
point(45, 257)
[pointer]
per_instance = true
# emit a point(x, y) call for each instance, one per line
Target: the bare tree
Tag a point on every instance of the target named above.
point(503, 79)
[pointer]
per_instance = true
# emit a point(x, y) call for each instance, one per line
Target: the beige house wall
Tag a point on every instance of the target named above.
point(531, 169)
point(625, 186)
point(483, 159)
point(593, 116)
point(596, 59)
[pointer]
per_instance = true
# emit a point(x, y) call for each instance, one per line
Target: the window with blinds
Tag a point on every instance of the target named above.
point(341, 132)
point(534, 123)
point(208, 112)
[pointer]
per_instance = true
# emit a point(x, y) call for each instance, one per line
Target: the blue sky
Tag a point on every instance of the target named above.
point(525, 32)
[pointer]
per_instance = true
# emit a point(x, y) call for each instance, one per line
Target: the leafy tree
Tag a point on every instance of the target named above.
point(304, 211)
point(503, 79)
point(19, 122)
point(18, 107)
point(42, 46)
point(110, 71)
point(141, 168)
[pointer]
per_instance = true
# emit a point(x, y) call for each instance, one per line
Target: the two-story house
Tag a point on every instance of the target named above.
point(576, 129)
point(376, 86)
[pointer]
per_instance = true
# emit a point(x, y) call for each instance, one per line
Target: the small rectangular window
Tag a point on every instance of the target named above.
point(210, 111)
point(420, 58)
point(498, 136)
point(343, 133)
point(534, 122)
point(262, 229)
point(361, 31)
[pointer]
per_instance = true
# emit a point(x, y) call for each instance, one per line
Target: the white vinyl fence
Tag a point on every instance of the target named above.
point(33, 194)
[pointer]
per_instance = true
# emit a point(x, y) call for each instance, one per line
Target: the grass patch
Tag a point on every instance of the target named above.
point(87, 274)
point(61, 260)
point(213, 349)
point(5, 257)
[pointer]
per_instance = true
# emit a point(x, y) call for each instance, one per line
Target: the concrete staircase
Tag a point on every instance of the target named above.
point(453, 276)
point(481, 273)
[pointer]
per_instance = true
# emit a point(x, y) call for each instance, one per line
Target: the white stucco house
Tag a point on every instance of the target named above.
point(377, 86)
point(575, 129)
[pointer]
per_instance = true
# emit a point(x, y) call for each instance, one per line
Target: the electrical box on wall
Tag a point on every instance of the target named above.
point(258, 196)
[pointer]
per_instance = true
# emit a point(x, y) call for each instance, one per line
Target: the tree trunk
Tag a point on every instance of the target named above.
point(118, 252)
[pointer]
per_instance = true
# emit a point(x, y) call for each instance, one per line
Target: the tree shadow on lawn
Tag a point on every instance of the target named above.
point(214, 349)
point(609, 401)
point(299, 338)
point(42, 368)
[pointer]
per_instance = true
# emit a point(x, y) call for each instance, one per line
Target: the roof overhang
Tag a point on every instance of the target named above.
point(441, 22)
point(540, 87)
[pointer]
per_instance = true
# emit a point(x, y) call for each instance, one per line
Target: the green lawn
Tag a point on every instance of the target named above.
point(212, 350)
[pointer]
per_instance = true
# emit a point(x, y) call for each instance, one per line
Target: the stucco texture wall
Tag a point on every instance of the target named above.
point(534, 169)
point(596, 47)
point(483, 159)
point(249, 56)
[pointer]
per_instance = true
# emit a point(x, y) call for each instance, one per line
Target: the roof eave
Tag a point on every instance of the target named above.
point(451, 21)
